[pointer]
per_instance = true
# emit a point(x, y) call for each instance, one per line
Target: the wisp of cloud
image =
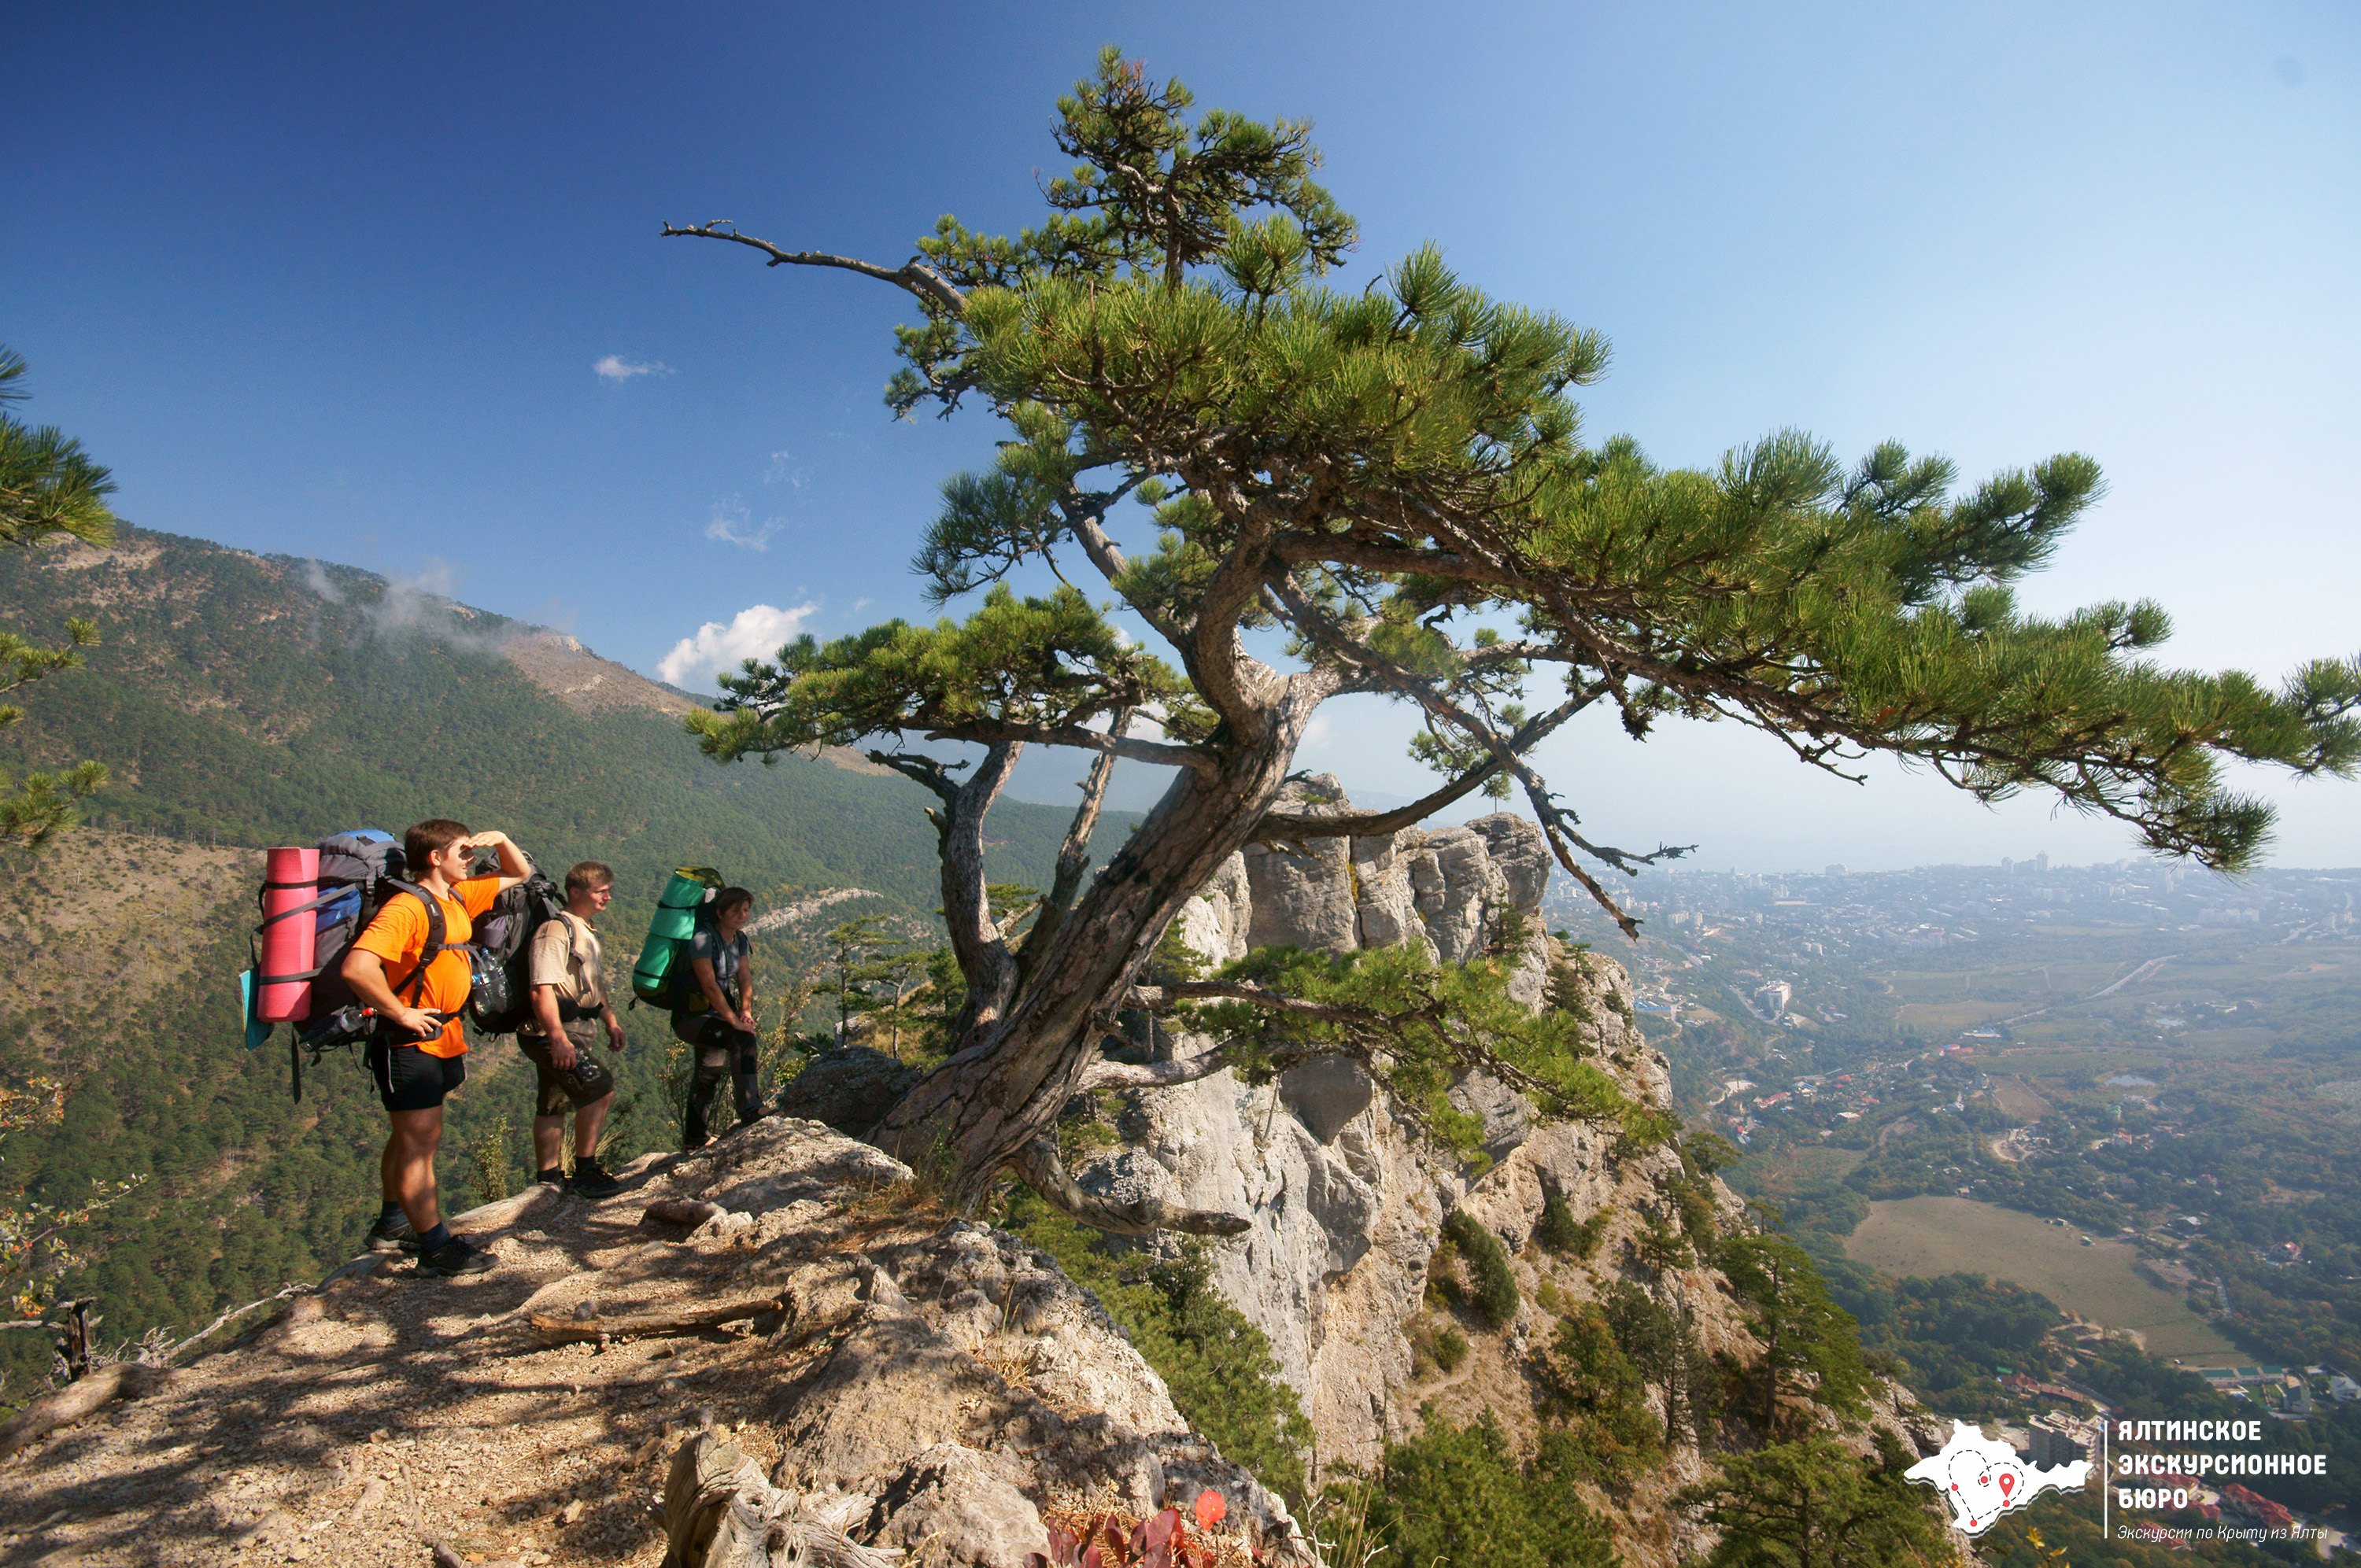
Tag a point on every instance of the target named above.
point(733, 524)
point(616, 368)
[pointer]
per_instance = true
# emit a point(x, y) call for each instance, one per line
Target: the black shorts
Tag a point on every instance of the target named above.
point(409, 1078)
point(587, 1082)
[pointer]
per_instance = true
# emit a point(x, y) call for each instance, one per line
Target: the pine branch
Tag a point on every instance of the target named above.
point(995, 732)
point(925, 771)
point(1106, 1074)
point(1294, 827)
point(1074, 855)
point(1558, 824)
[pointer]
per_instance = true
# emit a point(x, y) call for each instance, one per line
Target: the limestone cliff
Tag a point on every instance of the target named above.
point(1346, 1201)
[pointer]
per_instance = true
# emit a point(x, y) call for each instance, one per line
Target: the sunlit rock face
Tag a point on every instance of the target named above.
point(1344, 1198)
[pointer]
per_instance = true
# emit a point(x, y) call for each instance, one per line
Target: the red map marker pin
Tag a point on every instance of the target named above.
point(2007, 1485)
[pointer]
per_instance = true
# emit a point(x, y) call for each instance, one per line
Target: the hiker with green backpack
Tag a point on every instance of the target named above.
point(715, 1013)
point(698, 964)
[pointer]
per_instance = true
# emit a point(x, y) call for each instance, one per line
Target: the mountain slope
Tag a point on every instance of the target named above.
point(244, 701)
point(265, 700)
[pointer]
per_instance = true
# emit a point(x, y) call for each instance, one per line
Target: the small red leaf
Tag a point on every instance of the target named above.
point(1160, 1530)
point(1093, 1558)
point(1211, 1508)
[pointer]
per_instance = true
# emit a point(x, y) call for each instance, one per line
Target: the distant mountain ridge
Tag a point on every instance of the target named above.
point(559, 664)
point(264, 699)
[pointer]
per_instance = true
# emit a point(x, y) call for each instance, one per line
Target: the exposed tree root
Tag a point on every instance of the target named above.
point(574, 1330)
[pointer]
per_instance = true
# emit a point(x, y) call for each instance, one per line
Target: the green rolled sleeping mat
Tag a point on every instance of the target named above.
point(678, 910)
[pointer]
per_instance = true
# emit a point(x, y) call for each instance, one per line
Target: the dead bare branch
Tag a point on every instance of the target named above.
point(574, 1330)
point(912, 275)
point(79, 1401)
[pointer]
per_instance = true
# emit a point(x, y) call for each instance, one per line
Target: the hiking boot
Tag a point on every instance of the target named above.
point(392, 1233)
point(590, 1180)
point(457, 1255)
point(553, 1177)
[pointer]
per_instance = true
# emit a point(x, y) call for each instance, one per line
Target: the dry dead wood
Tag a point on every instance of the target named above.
point(79, 1400)
point(721, 1511)
point(574, 1330)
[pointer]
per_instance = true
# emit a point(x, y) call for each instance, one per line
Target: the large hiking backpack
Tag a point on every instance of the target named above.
point(662, 976)
point(359, 870)
point(499, 997)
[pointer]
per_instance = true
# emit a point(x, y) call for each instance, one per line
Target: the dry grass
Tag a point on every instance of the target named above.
point(1928, 1236)
point(102, 918)
point(2016, 1100)
point(1940, 1017)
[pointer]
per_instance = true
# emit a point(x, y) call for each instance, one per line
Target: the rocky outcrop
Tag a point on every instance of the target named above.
point(899, 1379)
point(851, 1088)
point(1344, 1198)
point(1346, 1201)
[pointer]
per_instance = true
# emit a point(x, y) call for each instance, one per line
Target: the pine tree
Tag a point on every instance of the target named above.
point(49, 488)
point(873, 972)
point(1815, 1504)
point(1391, 482)
point(1809, 1346)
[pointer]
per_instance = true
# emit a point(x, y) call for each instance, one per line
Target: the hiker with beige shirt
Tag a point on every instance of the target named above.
point(567, 970)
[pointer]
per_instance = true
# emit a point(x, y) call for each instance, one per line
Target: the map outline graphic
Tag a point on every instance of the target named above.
point(1981, 1478)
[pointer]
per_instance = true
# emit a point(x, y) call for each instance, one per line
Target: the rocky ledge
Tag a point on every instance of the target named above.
point(780, 1325)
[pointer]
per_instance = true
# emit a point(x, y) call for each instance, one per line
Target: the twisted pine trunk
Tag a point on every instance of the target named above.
point(989, 1106)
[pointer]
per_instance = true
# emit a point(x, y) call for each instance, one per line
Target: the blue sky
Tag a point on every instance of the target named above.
point(336, 281)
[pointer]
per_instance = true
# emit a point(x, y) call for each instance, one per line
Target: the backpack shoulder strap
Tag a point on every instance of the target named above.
point(435, 931)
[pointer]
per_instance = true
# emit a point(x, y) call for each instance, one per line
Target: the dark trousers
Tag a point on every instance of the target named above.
point(721, 1051)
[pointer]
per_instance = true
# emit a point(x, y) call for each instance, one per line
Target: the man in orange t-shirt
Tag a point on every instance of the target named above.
point(419, 1054)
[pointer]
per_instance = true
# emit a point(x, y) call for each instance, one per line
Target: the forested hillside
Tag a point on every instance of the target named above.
point(271, 700)
point(241, 702)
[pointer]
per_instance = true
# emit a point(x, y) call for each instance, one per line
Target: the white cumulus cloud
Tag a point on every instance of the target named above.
point(615, 368)
point(755, 633)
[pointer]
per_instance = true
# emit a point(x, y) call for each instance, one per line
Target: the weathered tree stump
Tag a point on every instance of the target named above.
point(721, 1511)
